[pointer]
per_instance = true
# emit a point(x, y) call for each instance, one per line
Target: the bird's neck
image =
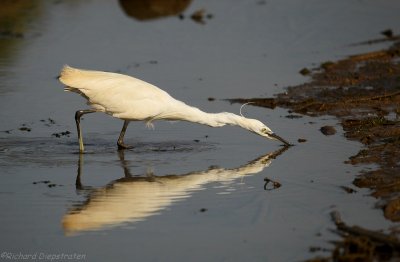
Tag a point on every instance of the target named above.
point(226, 118)
point(192, 114)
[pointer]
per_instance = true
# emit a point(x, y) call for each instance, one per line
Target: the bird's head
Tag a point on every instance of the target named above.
point(259, 128)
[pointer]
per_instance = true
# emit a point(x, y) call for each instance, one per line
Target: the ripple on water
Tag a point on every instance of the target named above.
point(15, 151)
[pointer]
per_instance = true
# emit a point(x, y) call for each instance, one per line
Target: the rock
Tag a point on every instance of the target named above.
point(328, 130)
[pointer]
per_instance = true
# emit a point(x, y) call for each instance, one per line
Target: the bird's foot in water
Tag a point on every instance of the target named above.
point(122, 146)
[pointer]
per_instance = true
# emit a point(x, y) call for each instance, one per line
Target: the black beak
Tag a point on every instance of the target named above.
point(280, 139)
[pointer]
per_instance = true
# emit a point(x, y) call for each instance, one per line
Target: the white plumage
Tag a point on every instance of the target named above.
point(114, 93)
point(132, 99)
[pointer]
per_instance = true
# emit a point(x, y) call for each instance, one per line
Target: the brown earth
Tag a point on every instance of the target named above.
point(363, 92)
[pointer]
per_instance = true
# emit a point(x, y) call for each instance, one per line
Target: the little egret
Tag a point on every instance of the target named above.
point(131, 99)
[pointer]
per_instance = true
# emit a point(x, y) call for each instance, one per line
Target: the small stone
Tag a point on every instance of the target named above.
point(198, 16)
point(388, 33)
point(293, 116)
point(24, 128)
point(328, 130)
point(305, 71)
point(348, 189)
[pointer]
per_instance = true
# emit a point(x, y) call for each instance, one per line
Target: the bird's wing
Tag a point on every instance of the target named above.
point(119, 95)
point(88, 81)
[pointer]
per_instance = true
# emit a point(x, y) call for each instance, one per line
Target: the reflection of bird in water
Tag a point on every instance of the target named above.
point(152, 9)
point(132, 99)
point(132, 199)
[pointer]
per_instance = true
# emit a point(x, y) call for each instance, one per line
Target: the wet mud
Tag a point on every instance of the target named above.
point(363, 92)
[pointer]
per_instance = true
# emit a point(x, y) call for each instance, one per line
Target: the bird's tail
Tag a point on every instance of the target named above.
point(75, 80)
point(67, 76)
point(79, 80)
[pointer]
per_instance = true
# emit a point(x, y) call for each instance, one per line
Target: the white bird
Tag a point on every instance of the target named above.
point(132, 99)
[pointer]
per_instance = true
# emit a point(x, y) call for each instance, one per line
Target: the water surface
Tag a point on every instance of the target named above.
point(186, 191)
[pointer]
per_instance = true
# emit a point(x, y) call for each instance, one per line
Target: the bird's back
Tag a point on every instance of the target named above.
point(119, 95)
point(90, 80)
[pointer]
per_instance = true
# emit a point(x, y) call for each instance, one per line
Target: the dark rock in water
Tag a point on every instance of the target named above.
point(328, 130)
point(301, 140)
point(348, 189)
point(24, 128)
point(388, 33)
point(58, 135)
point(305, 71)
point(198, 16)
point(270, 184)
point(41, 182)
point(293, 116)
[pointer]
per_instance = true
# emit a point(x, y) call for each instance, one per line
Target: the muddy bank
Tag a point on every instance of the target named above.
point(363, 92)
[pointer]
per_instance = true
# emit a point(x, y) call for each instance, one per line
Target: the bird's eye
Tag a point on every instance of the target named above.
point(263, 130)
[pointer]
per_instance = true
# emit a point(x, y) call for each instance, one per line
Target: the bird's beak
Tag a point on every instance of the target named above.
point(275, 136)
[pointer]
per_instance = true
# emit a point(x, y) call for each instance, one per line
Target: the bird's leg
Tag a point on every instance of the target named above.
point(78, 183)
point(127, 172)
point(78, 116)
point(120, 141)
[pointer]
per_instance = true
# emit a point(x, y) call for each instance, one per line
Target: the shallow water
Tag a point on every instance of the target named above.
point(185, 191)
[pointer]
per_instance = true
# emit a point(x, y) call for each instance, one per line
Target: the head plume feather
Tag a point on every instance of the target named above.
point(241, 107)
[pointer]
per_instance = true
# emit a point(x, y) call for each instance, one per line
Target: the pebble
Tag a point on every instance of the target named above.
point(328, 130)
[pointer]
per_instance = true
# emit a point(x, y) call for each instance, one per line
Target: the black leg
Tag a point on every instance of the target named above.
point(78, 183)
point(127, 172)
point(120, 141)
point(78, 116)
